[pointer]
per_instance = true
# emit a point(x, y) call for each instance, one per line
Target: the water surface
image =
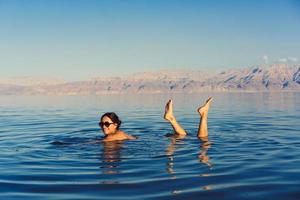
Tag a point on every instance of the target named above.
point(49, 148)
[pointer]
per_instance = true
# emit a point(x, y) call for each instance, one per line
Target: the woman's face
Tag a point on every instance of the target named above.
point(107, 125)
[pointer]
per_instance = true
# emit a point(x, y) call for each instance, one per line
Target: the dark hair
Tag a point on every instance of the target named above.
point(114, 118)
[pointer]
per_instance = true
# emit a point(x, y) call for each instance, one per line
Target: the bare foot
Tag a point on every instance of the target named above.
point(203, 110)
point(169, 111)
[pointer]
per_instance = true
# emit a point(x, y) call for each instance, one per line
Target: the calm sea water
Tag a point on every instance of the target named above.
point(48, 149)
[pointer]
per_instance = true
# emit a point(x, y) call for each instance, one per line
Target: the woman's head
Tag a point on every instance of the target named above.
point(110, 123)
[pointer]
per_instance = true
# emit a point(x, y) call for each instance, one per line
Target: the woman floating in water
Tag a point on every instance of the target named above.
point(110, 124)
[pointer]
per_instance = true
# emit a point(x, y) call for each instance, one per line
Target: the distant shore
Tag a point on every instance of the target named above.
point(273, 78)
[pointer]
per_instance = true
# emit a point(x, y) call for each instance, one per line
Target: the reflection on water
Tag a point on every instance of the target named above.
point(207, 187)
point(111, 158)
point(170, 157)
point(203, 157)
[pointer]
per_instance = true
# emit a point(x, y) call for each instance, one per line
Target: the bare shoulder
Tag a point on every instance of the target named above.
point(125, 135)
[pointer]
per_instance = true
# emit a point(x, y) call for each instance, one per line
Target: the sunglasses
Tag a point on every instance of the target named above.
point(107, 124)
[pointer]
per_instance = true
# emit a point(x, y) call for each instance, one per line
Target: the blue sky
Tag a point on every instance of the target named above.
point(80, 39)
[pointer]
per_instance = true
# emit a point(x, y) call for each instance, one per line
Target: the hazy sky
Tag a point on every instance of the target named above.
point(79, 39)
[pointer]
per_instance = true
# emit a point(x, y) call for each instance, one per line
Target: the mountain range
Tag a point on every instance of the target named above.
point(275, 77)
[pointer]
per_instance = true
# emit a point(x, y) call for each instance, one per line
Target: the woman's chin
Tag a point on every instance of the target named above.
point(105, 133)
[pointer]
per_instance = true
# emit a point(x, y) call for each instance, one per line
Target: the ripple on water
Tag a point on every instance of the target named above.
point(56, 152)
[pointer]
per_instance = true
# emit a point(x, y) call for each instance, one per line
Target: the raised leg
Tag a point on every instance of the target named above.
point(203, 111)
point(170, 117)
